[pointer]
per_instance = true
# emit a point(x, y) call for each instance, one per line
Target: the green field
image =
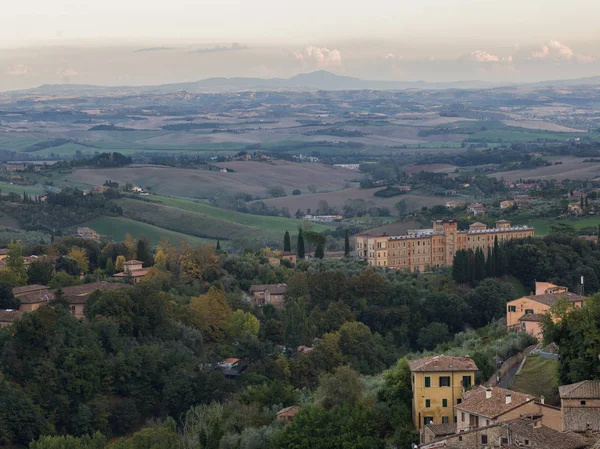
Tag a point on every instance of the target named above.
point(274, 224)
point(6, 187)
point(543, 225)
point(115, 228)
point(538, 377)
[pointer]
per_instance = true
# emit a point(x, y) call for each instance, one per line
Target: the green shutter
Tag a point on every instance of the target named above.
point(427, 381)
point(444, 402)
point(427, 403)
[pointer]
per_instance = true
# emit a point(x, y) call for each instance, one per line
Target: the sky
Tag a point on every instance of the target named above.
point(141, 42)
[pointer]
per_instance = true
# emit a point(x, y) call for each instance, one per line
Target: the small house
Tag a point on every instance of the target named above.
point(286, 415)
point(8, 316)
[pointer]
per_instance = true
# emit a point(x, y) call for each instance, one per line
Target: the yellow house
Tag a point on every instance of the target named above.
point(537, 305)
point(437, 385)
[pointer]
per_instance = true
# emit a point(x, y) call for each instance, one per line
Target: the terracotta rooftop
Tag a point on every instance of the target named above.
point(3, 251)
point(263, 287)
point(550, 299)
point(277, 289)
point(9, 315)
point(36, 297)
point(28, 289)
point(292, 410)
point(442, 363)
point(587, 389)
point(133, 262)
point(477, 403)
point(88, 289)
point(545, 437)
point(532, 317)
point(133, 274)
point(440, 430)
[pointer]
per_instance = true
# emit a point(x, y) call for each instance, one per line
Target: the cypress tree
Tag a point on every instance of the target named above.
point(496, 255)
point(489, 264)
point(460, 267)
point(471, 266)
point(347, 244)
point(598, 233)
point(479, 268)
point(287, 245)
point(320, 251)
point(218, 248)
point(300, 245)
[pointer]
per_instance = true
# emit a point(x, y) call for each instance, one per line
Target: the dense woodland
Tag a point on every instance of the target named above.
point(145, 360)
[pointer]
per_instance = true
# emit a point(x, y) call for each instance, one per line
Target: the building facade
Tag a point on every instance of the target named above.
point(437, 384)
point(423, 249)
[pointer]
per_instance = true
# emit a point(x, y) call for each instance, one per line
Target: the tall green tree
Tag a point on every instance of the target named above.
point(143, 252)
point(300, 246)
point(218, 247)
point(460, 267)
point(479, 267)
point(347, 244)
point(15, 262)
point(287, 244)
point(295, 321)
point(7, 299)
point(320, 251)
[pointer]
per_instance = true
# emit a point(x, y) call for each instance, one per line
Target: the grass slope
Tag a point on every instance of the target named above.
point(543, 225)
point(538, 377)
point(190, 223)
point(275, 224)
point(116, 228)
point(6, 187)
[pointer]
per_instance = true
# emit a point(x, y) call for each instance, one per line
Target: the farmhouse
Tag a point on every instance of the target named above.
point(87, 233)
point(132, 269)
point(263, 294)
point(477, 209)
point(422, 249)
point(580, 405)
point(506, 204)
point(286, 415)
point(78, 295)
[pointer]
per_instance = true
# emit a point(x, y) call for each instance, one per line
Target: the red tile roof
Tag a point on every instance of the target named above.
point(476, 402)
point(442, 363)
point(9, 315)
point(587, 389)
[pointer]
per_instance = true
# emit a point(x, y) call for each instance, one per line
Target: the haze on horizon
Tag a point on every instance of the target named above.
point(135, 42)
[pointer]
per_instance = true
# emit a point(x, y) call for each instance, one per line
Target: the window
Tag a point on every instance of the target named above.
point(427, 381)
point(428, 420)
point(512, 308)
point(582, 402)
point(462, 416)
point(526, 442)
point(444, 381)
point(466, 382)
point(444, 402)
point(444, 420)
point(427, 403)
point(458, 401)
point(483, 439)
point(528, 311)
point(503, 441)
point(460, 438)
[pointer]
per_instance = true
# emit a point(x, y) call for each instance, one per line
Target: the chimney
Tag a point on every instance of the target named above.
point(488, 393)
point(542, 399)
point(508, 398)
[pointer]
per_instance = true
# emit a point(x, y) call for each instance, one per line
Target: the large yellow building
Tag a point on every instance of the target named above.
point(437, 385)
point(425, 248)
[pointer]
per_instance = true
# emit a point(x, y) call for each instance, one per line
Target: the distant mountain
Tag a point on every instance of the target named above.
point(319, 80)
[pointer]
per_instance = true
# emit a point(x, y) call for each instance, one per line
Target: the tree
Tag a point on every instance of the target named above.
point(7, 299)
point(343, 387)
point(487, 302)
point(433, 335)
point(62, 279)
point(130, 246)
point(110, 267)
point(294, 321)
point(320, 251)
point(218, 247)
point(401, 207)
point(96, 441)
point(160, 260)
point(120, 263)
point(21, 420)
point(143, 252)
point(242, 325)
point(199, 263)
point(314, 427)
point(79, 255)
point(296, 192)
point(460, 267)
point(300, 245)
point(347, 243)
point(479, 267)
point(15, 262)
point(40, 272)
point(287, 245)
point(210, 313)
point(203, 427)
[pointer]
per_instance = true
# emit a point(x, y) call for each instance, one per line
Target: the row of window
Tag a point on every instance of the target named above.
point(444, 381)
point(527, 311)
point(444, 403)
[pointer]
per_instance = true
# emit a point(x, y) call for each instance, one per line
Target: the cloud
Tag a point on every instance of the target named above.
point(557, 51)
point(320, 57)
point(17, 70)
point(149, 49)
point(484, 56)
point(221, 48)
